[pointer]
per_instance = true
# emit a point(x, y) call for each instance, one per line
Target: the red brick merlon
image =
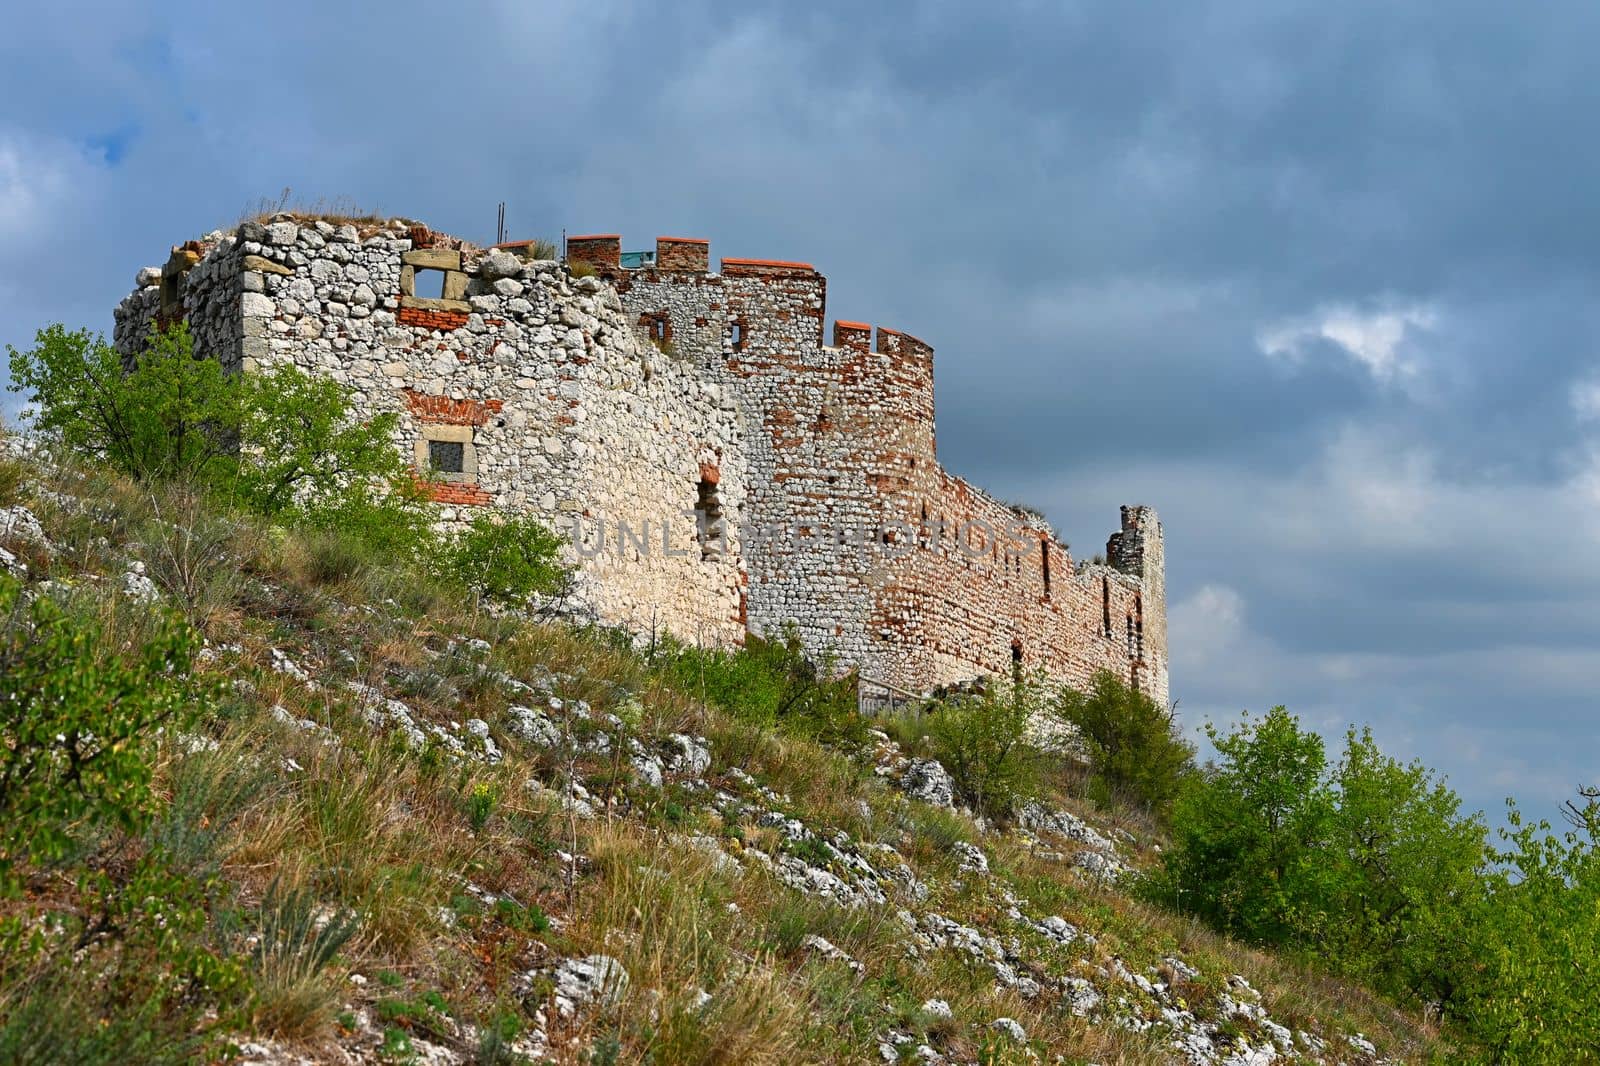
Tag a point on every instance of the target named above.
point(893, 342)
point(856, 335)
point(443, 410)
point(683, 253)
point(771, 268)
point(603, 250)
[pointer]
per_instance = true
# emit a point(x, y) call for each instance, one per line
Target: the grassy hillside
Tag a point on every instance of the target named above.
point(395, 828)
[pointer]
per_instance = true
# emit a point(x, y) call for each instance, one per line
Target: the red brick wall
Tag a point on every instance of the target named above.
point(443, 410)
point(458, 493)
point(857, 335)
point(444, 321)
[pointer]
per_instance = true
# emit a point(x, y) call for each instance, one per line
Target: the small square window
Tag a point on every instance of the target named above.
point(447, 456)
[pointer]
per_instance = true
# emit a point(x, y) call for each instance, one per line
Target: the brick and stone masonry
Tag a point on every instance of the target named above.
point(636, 410)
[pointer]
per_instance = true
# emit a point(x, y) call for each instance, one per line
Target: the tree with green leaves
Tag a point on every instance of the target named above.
point(1405, 867)
point(1248, 838)
point(1531, 991)
point(168, 415)
point(983, 742)
point(280, 442)
point(1137, 751)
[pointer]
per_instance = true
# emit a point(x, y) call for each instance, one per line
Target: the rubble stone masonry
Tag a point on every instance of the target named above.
point(718, 467)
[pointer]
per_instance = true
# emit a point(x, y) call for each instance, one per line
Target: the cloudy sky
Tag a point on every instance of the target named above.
point(1315, 280)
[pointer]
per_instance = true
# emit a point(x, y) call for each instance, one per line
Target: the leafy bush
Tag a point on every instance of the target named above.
point(1136, 750)
point(982, 742)
point(300, 442)
point(770, 683)
point(81, 701)
point(1529, 991)
point(281, 442)
point(508, 559)
point(1247, 839)
point(129, 978)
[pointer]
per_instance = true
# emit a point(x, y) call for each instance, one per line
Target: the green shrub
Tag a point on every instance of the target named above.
point(300, 442)
point(1247, 839)
point(769, 683)
point(281, 442)
point(1137, 753)
point(130, 977)
point(508, 559)
point(82, 697)
point(982, 741)
point(1529, 988)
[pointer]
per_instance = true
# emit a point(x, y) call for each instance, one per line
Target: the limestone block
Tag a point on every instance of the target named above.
point(455, 285)
point(432, 258)
point(263, 265)
point(282, 234)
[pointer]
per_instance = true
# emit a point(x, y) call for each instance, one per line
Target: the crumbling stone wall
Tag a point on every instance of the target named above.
point(625, 406)
point(560, 410)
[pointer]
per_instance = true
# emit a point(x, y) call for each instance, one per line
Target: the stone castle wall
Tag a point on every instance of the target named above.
point(630, 407)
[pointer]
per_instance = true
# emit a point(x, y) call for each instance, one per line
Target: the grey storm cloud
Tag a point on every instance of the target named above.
point(1315, 280)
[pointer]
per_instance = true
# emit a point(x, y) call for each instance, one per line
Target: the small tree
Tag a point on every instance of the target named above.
point(1529, 994)
point(1405, 866)
point(1137, 752)
point(169, 415)
point(301, 443)
point(982, 742)
point(508, 559)
point(1248, 837)
point(280, 442)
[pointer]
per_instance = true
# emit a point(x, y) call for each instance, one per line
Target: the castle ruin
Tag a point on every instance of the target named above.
point(720, 465)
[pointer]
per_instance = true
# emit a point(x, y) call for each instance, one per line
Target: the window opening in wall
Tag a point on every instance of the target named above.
point(428, 284)
point(737, 332)
point(447, 456)
point(1105, 608)
point(708, 520)
point(1138, 627)
point(1044, 564)
point(1016, 663)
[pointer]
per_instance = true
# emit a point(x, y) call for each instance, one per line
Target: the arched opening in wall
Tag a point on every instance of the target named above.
point(1105, 607)
point(1016, 663)
point(736, 336)
point(1044, 565)
point(709, 524)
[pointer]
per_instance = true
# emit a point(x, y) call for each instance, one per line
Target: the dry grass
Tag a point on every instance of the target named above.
point(338, 210)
